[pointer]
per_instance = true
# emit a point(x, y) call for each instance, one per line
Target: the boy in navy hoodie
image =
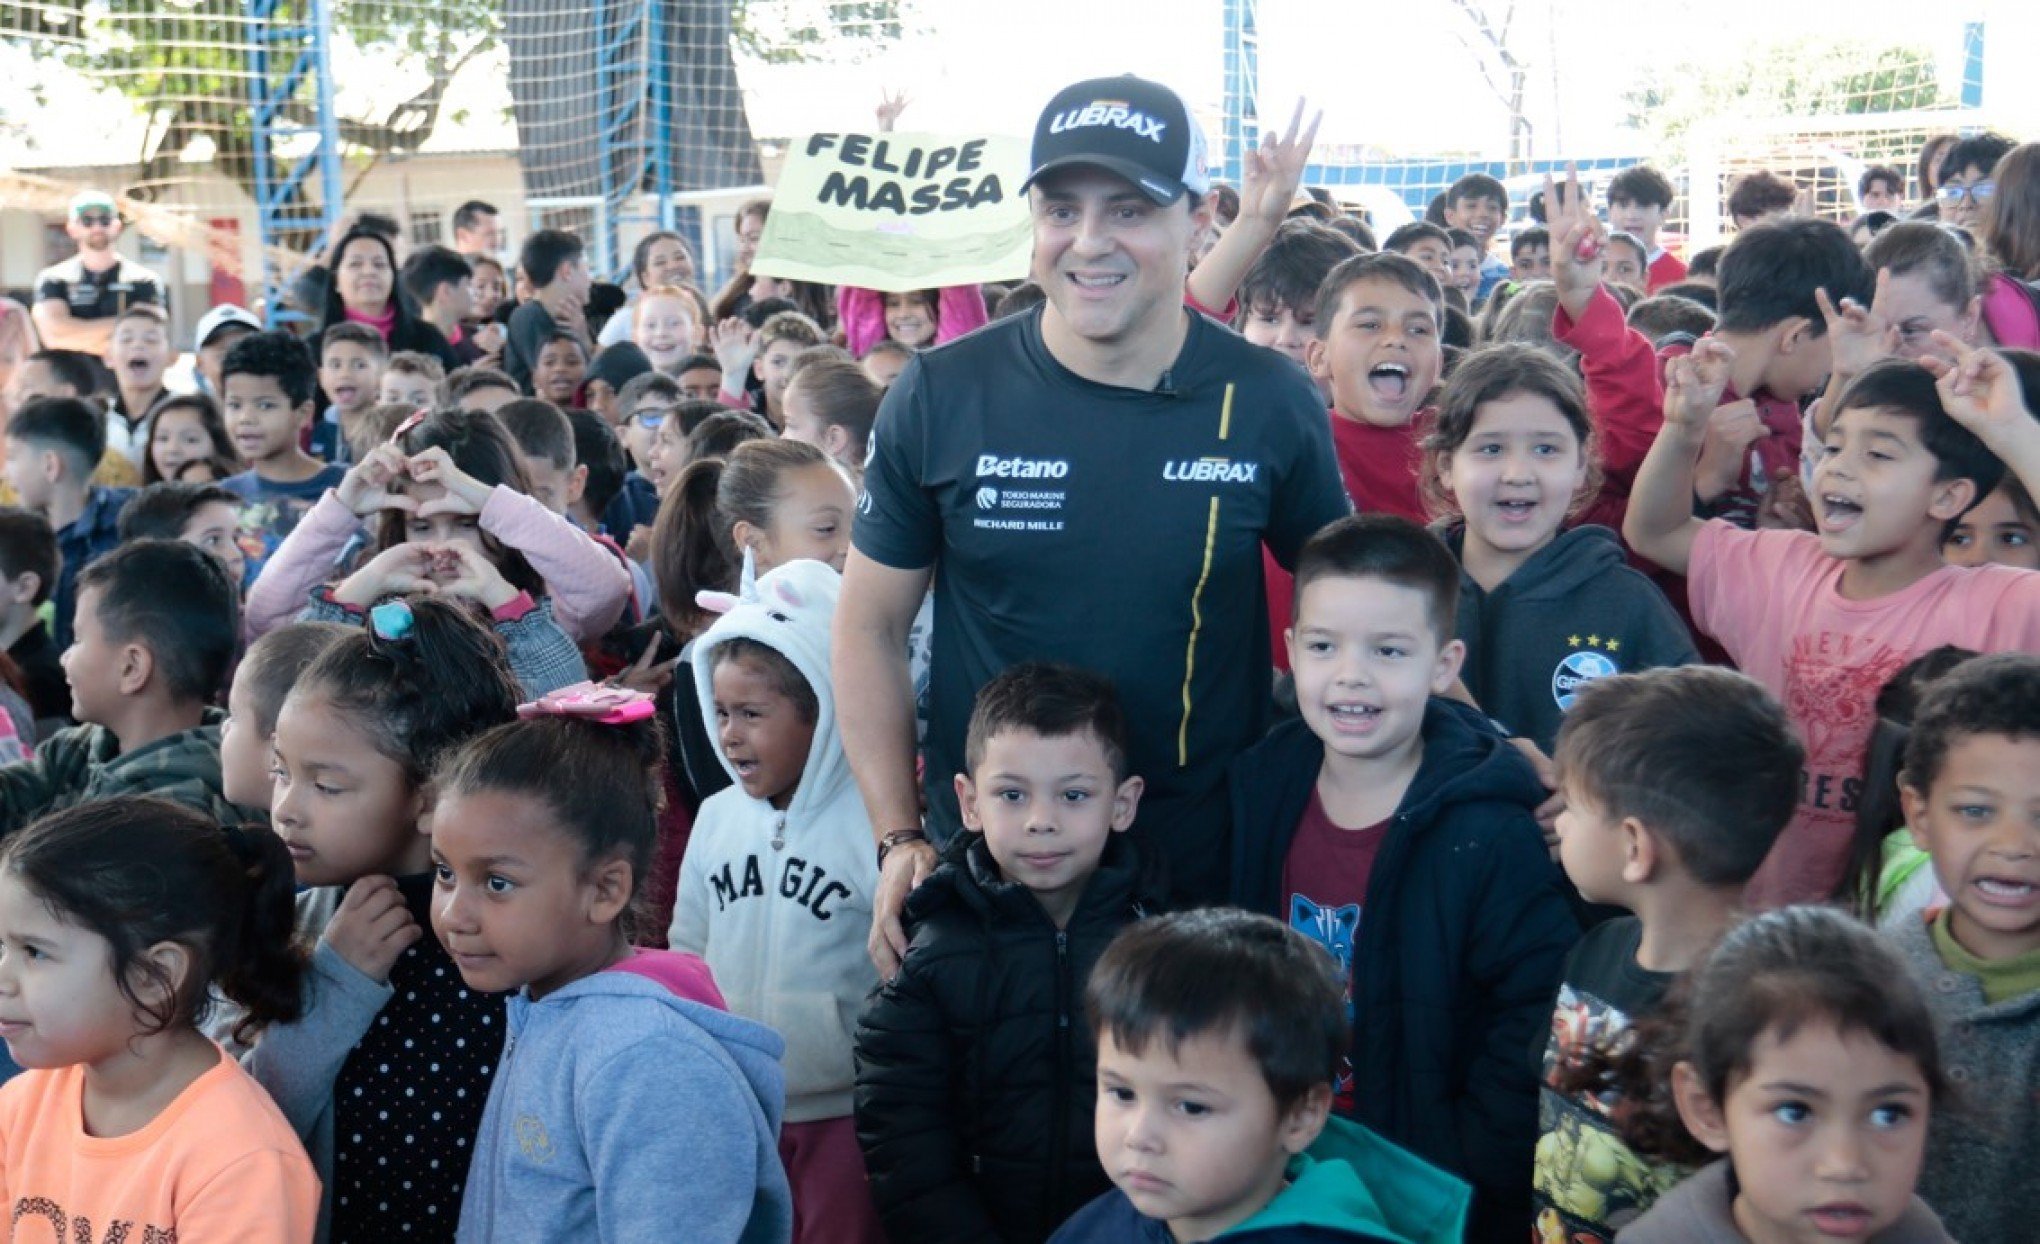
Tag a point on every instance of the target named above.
point(1218, 1036)
point(975, 1080)
point(1388, 801)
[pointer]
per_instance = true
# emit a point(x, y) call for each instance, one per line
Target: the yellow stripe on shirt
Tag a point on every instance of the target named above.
point(1196, 625)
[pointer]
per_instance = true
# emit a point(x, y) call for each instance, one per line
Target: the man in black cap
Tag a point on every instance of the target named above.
point(1095, 480)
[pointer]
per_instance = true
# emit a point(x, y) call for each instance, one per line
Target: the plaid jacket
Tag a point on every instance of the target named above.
point(85, 762)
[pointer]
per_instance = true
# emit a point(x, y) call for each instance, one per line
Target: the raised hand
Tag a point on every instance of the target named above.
point(372, 927)
point(398, 570)
point(1694, 383)
point(1980, 390)
point(461, 569)
point(648, 673)
point(461, 493)
point(1271, 172)
point(735, 347)
point(1731, 430)
point(1578, 240)
point(375, 483)
point(890, 106)
point(1861, 336)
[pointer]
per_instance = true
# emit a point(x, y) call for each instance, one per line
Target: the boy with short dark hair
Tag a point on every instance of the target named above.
point(556, 263)
point(1760, 197)
point(1278, 296)
point(52, 446)
point(1378, 351)
point(157, 627)
point(1218, 1036)
point(261, 681)
point(1677, 782)
point(699, 377)
point(599, 457)
point(1771, 321)
point(1970, 789)
point(442, 282)
point(1639, 197)
point(206, 516)
point(479, 388)
point(1395, 827)
point(352, 359)
point(1530, 255)
point(1479, 204)
point(1426, 243)
point(1881, 188)
point(561, 366)
point(411, 379)
point(138, 355)
point(1824, 619)
point(1465, 261)
point(772, 349)
point(268, 385)
point(545, 444)
point(971, 1049)
point(28, 575)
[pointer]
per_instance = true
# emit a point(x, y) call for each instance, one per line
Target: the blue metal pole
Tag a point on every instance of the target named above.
point(1972, 65)
point(1242, 86)
point(330, 189)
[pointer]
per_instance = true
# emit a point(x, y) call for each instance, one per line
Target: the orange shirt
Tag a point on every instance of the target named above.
point(218, 1166)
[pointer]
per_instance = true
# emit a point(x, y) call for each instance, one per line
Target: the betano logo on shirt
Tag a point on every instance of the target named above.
point(1112, 112)
point(993, 466)
point(1210, 471)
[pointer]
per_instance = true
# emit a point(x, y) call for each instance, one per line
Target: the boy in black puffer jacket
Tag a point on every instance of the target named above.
point(976, 1075)
point(1395, 827)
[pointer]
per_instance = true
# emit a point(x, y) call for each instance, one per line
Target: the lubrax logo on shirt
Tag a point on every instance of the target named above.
point(993, 466)
point(1210, 471)
point(1112, 112)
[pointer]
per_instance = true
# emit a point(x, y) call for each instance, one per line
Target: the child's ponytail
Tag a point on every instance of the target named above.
point(691, 550)
point(599, 781)
point(263, 969)
point(139, 871)
point(694, 544)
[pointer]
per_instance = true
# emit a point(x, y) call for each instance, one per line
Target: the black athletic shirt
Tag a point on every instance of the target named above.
point(98, 295)
point(1116, 529)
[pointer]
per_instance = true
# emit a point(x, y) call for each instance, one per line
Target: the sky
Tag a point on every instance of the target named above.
point(1395, 78)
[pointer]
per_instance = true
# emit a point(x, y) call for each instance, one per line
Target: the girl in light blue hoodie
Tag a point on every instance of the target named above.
point(628, 1101)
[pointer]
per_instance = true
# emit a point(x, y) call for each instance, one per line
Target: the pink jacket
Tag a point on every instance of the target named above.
point(589, 587)
point(860, 313)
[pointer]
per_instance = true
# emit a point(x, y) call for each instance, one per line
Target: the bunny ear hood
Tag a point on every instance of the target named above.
point(789, 611)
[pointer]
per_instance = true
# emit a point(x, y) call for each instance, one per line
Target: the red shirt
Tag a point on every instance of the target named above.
point(1380, 469)
point(1324, 886)
point(1666, 269)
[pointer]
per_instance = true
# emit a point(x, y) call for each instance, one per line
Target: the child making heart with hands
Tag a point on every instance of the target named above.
point(450, 512)
point(393, 1055)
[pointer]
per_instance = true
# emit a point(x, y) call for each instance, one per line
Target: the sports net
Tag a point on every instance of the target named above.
point(612, 117)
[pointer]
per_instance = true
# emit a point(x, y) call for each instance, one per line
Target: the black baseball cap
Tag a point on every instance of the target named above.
point(1127, 125)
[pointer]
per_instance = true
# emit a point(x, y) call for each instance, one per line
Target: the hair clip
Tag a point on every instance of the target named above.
point(391, 620)
point(601, 703)
point(411, 420)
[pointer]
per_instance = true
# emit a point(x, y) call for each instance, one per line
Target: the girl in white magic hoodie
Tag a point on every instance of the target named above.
point(776, 886)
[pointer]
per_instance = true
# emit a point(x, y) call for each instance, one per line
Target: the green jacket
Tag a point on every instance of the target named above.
point(1352, 1180)
point(85, 762)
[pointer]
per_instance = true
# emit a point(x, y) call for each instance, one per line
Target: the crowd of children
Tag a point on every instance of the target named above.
point(431, 802)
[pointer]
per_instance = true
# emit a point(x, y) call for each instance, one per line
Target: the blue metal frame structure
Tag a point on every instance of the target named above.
point(290, 45)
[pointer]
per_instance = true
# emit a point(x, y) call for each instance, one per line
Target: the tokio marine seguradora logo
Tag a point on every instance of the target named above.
point(1034, 503)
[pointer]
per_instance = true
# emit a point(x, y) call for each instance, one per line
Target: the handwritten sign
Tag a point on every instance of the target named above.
point(899, 212)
